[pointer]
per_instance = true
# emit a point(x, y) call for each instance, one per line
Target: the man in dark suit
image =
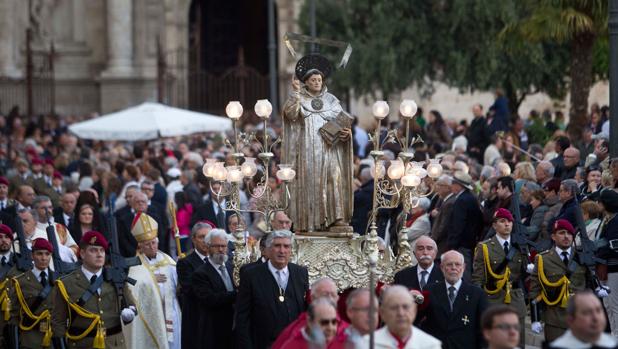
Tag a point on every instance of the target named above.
point(211, 209)
point(466, 223)
point(455, 308)
point(185, 268)
point(215, 293)
point(124, 220)
point(271, 295)
point(426, 272)
point(441, 214)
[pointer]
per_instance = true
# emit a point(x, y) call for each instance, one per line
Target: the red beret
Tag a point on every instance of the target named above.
point(42, 244)
point(6, 230)
point(563, 224)
point(49, 162)
point(552, 184)
point(503, 213)
point(205, 221)
point(37, 161)
point(4, 181)
point(94, 238)
point(57, 174)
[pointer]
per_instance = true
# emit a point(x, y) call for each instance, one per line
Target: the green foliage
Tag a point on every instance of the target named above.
point(464, 43)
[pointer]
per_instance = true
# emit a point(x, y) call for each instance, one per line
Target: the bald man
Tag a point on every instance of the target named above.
point(571, 161)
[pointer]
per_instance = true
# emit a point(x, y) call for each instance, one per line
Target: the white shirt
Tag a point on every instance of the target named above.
point(568, 340)
point(7, 256)
point(200, 255)
point(66, 218)
point(501, 241)
point(419, 270)
point(89, 275)
point(4, 203)
point(285, 274)
point(37, 273)
point(559, 252)
point(457, 286)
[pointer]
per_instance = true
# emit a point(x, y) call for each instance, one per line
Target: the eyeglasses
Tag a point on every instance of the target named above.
point(507, 327)
point(364, 309)
point(326, 322)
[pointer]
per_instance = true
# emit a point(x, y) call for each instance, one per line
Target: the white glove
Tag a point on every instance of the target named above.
point(536, 327)
point(128, 314)
point(602, 291)
point(530, 268)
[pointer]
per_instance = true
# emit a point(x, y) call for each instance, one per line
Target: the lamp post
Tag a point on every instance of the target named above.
point(231, 177)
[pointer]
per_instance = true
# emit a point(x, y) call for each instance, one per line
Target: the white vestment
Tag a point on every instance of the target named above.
point(383, 339)
point(163, 264)
point(147, 331)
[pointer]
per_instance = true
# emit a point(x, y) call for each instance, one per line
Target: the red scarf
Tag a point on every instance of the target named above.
point(413, 218)
point(401, 343)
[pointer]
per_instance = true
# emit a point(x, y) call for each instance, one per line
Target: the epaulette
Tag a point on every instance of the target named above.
point(545, 252)
point(19, 276)
point(485, 241)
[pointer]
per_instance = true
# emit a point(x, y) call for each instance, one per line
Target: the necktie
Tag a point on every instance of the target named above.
point(205, 259)
point(3, 262)
point(424, 279)
point(451, 296)
point(93, 278)
point(565, 258)
point(226, 278)
point(43, 279)
point(220, 219)
point(280, 281)
point(506, 248)
point(2, 205)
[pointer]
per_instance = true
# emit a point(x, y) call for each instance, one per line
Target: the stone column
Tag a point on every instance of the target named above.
point(8, 28)
point(120, 38)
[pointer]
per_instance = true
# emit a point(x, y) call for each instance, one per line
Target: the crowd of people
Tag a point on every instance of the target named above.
point(515, 227)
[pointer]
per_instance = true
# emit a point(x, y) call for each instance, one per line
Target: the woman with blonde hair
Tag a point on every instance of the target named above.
point(525, 170)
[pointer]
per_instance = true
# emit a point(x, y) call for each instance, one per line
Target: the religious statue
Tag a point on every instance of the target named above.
point(317, 142)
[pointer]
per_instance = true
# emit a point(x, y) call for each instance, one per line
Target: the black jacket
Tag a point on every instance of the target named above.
point(408, 277)
point(216, 306)
point(260, 316)
point(460, 328)
point(126, 241)
point(185, 268)
point(466, 223)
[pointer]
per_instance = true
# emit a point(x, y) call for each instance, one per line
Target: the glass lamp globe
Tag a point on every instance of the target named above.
point(249, 168)
point(234, 110)
point(434, 169)
point(408, 108)
point(396, 169)
point(263, 108)
point(380, 109)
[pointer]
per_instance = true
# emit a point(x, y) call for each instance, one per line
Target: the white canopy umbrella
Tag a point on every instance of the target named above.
point(149, 121)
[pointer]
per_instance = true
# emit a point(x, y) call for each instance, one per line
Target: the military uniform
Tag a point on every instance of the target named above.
point(502, 286)
point(33, 316)
point(98, 318)
point(552, 284)
point(5, 300)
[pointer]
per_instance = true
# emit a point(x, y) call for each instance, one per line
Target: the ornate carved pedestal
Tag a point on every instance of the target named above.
point(341, 259)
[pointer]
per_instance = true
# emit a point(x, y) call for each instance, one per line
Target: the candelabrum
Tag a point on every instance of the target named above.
point(404, 181)
point(231, 177)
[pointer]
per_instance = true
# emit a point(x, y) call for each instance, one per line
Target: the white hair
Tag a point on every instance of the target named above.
point(445, 179)
point(447, 253)
point(424, 203)
point(318, 282)
point(216, 233)
point(278, 234)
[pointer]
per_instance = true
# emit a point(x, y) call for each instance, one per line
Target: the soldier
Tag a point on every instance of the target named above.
point(556, 276)
point(31, 303)
point(6, 273)
point(499, 268)
point(93, 321)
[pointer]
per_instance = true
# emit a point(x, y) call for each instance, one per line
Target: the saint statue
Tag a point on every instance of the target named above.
point(317, 142)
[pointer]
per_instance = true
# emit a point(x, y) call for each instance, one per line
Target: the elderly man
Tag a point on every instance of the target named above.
point(281, 221)
point(571, 161)
point(586, 322)
point(162, 269)
point(466, 221)
point(357, 310)
point(557, 274)
point(398, 310)
point(544, 171)
point(441, 214)
point(159, 212)
point(271, 295)
point(185, 268)
point(454, 313)
point(425, 273)
point(215, 292)
point(65, 213)
point(44, 208)
point(124, 220)
point(567, 195)
point(501, 327)
point(321, 327)
point(499, 265)
point(321, 288)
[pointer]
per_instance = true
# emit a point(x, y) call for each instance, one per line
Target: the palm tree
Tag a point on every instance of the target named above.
point(578, 24)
